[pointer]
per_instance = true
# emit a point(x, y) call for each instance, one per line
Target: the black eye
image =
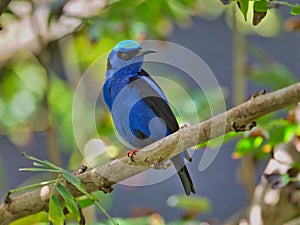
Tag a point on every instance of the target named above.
point(124, 55)
point(127, 55)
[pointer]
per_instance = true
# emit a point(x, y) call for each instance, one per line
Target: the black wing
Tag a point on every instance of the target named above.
point(163, 110)
point(154, 100)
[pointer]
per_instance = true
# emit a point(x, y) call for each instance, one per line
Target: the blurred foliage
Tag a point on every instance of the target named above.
point(39, 218)
point(23, 104)
point(19, 98)
point(281, 75)
point(34, 89)
point(56, 214)
point(60, 101)
point(154, 219)
point(270, 26)
point(127, 21)
point(263, 69)
point(261, 8)
point(272, 130)
point(193, 205)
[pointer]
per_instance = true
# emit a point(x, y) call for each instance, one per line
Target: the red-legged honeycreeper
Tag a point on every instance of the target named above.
point(138, 106)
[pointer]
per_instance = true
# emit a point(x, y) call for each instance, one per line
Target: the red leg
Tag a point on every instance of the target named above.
point(131, 154)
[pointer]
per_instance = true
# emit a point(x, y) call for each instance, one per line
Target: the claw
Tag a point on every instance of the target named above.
point(131, 153)
point(8, 200)
point(187, 156)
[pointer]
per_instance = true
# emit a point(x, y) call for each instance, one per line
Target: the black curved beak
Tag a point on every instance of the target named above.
point(143, 52)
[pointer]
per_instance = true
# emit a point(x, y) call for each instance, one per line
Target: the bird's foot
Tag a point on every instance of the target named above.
point(131, 153)
point(8, 199)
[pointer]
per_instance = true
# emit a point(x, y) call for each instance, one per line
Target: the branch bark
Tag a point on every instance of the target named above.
point(3, 5)
point(101, 178)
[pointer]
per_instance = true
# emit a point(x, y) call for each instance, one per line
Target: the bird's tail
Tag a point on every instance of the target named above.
point(183, 174)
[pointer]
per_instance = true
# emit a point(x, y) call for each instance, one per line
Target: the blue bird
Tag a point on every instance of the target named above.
point(138, 106)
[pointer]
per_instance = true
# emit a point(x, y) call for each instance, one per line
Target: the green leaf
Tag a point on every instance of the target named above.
point(285, 179)
point(38, 164)
point(85, 202)
point(95, 30)
point(56, 214)
point(281, 131)
point(243, 146)
point(69, 200)
point(44, 163)
point(31, 186)
point(289, 132)
point(278, 180)
point(75, 181)
point(213, 143)
point(297, 130)
point(9, 11)
point(35, 219)
point(154, 219)
point(243, 6)
point(60, 101)
point(295, 10)
point(246, 146)
point(260, 9)
point(39, 170)
point(200, 204)
point(261, 6)
point(114, 222)
point(275, 75)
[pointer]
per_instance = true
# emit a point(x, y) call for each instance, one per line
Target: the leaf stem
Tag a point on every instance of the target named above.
point(105, 213)
point(31, 186)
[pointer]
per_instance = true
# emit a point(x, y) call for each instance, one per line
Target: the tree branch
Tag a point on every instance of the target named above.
point(3, 5)
point(101, 178)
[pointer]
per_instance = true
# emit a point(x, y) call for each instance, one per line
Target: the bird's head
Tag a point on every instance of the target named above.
point(127, 53)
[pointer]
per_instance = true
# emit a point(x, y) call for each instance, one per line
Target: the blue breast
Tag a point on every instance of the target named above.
point(134, 120)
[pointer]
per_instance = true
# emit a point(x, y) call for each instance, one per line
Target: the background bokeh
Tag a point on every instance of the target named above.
point(46, 47)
